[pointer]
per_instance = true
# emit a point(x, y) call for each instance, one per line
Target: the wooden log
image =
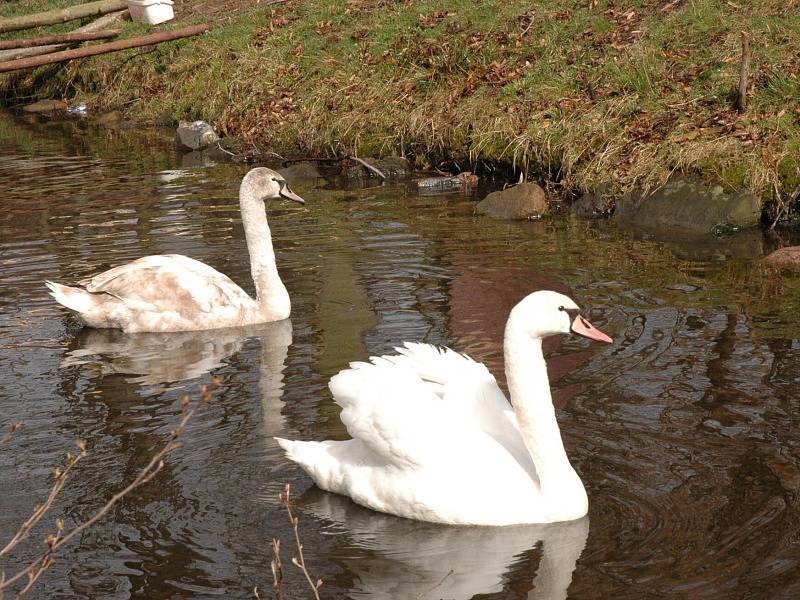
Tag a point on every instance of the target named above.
point(741, 101)
point(62, 15)
point(96, 25)
point(134, 42)
point(63, 38)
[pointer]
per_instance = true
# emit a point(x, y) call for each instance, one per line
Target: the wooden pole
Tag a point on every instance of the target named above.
point(97, 25)
point(741, 101)
point(64, 38)
point(134, 42)
point(62, 15)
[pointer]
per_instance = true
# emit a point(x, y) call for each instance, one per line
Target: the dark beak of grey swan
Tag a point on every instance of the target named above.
point(286, 192)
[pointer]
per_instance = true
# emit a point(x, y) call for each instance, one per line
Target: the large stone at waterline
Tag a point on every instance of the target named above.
point(523, 201)
point(592, 205)
point(45, 106)
point(785, 258)
point(684, 205)
point(300, 170)
point(393, 167)
point(196, 135)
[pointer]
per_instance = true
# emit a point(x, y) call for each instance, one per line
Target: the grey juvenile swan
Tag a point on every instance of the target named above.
point(171, 292)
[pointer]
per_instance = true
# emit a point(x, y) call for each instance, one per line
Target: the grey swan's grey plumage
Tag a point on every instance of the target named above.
point(171, 292)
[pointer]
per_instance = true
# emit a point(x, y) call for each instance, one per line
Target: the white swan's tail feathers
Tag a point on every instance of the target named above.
point(287, 446)
point(316, 459)
point(75, 299)
point(303, 453)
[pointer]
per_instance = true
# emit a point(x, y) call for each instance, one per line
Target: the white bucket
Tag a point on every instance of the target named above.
point(151, 11)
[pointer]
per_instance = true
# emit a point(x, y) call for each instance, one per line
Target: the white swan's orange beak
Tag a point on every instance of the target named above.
point(582, 327)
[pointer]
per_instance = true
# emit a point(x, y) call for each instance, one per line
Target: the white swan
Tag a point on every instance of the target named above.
point(434, 438)
point(171, 292)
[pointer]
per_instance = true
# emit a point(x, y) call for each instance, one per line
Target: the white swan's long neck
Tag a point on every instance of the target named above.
point(271, 294)
point(528, 384)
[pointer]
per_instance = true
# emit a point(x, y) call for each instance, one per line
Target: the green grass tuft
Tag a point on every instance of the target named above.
point(624, 92)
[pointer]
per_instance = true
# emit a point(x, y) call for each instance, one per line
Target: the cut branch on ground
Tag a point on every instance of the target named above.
point(62, 15)
point(62, 38)
point(744, 67)
point(96, 25)
point(135, 42)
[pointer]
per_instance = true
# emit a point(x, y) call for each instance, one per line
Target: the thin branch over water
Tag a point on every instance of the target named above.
point(55, 540)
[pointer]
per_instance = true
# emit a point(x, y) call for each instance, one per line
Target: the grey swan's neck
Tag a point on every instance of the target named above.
point(272, 298)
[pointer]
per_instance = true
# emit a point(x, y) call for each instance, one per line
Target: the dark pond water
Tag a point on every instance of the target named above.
point(685, 430)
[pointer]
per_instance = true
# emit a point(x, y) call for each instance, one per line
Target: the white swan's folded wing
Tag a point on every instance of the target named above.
point(424, 404)
point(168, 282)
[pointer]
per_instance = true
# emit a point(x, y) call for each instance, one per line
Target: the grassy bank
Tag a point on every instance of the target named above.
point(577, 92)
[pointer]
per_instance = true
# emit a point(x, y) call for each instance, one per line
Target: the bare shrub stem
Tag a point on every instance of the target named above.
point(277, 570)
point(56, 540)
point(299, 560)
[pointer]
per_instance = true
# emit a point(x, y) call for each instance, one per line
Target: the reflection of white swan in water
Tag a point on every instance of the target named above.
point(404, 558)
point(153, 358)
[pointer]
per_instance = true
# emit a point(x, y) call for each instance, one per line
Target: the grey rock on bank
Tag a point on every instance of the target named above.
point(45, 106)
point(523, 201)
point(442, 185)
point(393, 167)
point(196, 135)
point(110, 119)
point(687, 206)
point(785, 258)
point(592, 205)
point(301, 170)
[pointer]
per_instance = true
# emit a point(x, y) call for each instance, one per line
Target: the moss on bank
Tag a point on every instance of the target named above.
point(580, 92)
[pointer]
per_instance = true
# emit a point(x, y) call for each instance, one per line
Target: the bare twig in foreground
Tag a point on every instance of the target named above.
point(277, 569)
point(41, 509)
point(56, 540)
point(299, 560)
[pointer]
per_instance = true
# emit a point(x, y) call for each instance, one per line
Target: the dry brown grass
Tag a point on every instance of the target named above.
point(578, 93)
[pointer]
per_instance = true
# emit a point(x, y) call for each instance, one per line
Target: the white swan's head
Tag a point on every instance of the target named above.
point(545, 313)
point(262, 183)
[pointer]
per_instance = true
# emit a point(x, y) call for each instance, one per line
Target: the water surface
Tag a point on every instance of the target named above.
point(684, 430)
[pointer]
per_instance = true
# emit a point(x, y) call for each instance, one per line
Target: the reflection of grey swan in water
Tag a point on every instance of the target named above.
point(434, 438)
point(171, 292)
point(154, 358)
point(401, 559)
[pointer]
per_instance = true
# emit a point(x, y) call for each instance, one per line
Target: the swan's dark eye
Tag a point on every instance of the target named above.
point(560, 308)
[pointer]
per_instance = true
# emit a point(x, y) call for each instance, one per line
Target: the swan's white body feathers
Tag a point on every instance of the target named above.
point(434, 439)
